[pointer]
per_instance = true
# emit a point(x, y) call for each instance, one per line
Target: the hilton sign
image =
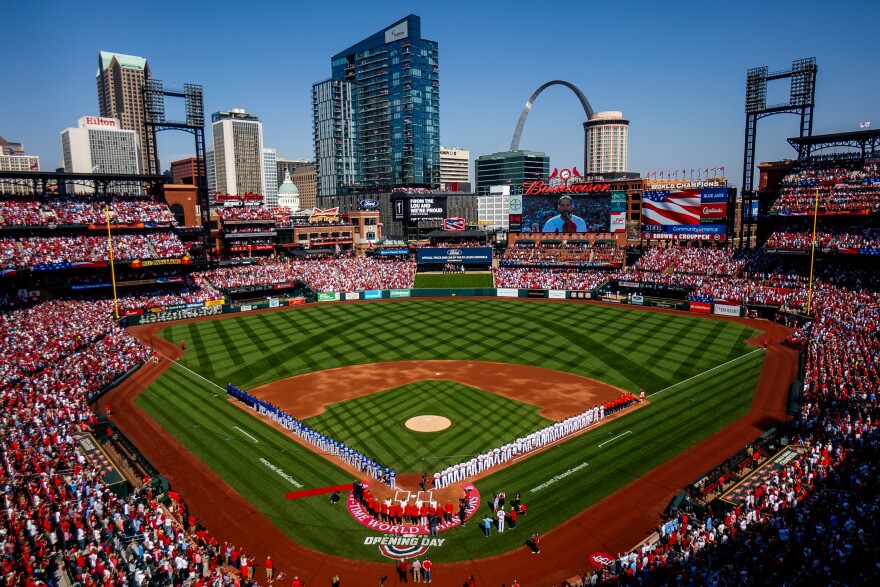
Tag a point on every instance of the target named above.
point(96, 121)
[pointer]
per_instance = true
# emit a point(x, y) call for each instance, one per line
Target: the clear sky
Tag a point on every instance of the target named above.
point(676, 69)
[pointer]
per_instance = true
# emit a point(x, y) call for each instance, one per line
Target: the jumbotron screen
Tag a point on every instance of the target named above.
point(572, 208)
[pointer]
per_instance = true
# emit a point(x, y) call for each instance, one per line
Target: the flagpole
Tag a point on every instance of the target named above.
point(813, 252)
point(112, 269)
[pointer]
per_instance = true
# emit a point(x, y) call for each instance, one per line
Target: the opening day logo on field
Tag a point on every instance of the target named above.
point(409, 540)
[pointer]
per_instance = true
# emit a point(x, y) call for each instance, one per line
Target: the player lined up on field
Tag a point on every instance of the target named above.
point(529, 443)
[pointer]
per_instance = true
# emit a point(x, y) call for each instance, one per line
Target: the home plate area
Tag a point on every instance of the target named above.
point(406, 518)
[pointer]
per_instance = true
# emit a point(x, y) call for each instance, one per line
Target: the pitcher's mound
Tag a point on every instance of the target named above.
point(428, 423)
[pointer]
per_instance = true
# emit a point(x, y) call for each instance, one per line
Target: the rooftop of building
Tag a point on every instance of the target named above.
point(125, 61)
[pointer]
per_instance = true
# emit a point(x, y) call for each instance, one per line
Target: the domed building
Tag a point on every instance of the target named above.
point(288, 194)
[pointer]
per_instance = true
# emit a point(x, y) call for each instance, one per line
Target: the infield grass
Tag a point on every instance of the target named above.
point(626, 348)
point(376, 424)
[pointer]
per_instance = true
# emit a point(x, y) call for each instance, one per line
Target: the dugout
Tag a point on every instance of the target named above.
point(795, 398)
point(648, 289)
point(260, 293)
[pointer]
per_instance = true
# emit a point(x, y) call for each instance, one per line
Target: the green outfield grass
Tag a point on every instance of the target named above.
point(702, 373)
point(375, 424)
point(443, 280)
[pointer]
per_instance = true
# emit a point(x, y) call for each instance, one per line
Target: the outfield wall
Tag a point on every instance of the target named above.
point(215, 307)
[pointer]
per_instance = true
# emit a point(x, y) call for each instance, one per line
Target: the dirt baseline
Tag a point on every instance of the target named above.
point(561, 394)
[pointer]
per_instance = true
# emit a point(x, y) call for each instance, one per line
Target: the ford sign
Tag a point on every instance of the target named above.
point(369, 204)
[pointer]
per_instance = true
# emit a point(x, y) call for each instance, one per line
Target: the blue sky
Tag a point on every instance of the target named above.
point(675, 69)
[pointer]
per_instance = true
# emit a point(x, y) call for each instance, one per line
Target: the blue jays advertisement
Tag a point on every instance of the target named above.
point(452, 255)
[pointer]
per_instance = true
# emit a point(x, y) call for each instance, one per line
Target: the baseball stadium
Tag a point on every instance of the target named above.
point(251, 395)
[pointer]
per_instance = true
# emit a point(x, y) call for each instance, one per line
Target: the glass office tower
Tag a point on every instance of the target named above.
point(394, 76)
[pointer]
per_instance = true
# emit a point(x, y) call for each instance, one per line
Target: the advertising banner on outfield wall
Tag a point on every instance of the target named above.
point(507, 292)
point(373, 294)
point(328, 296)
point(273, 303)
point(580, 295)
point(701, 307)
point(454, 255)
point(400, 293)
point(352, 295)
point(725, 310)
point(536, 293)
point(637, 300)
point(556, 294)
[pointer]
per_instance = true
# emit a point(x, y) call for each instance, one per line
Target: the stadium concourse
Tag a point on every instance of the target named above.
point(812, 523)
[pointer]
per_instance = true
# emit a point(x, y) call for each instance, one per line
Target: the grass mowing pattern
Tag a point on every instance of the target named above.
point(624, 347)
point(477, 416)
point(441, 280)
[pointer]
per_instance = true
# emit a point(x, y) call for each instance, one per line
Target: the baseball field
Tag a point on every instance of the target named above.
point(699, 374)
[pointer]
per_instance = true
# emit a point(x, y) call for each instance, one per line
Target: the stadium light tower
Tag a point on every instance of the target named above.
point(802, 97)
point(154, 94)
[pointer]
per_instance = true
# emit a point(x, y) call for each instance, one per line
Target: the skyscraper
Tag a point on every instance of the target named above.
point(120, 79)
point(377, 120)
point(455, 167)
point(510, 168)
point(607, 138)
point(238, 152)
point(210, 172)
point(99, 145)
point(270, 183)
point(13, 158)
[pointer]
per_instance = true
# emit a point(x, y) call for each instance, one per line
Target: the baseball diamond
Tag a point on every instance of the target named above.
point(566, 342)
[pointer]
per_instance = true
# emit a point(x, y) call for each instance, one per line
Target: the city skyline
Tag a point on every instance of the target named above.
point(677, 72)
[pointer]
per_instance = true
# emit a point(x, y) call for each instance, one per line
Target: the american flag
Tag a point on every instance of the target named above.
point(454, 224)
point(663, 207)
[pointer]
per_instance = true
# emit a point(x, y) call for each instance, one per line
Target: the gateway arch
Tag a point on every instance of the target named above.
point(588, 110)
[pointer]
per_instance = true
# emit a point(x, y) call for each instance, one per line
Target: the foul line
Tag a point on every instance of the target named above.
point(615, 438)
point(246, 434)
point(704, 372)
point(175, 363)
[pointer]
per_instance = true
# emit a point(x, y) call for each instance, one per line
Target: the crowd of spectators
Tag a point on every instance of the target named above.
point(243, 213)
point(457, 244)
point(843, 183)
point(324, 274)
point(535, 278)
point(55, 357)
point(691, 260)
point(168, 295)
point(573, 254)
point(21, 213)
point(866, 240)
point(84, 209)
point(28, 251)
point(796, 240)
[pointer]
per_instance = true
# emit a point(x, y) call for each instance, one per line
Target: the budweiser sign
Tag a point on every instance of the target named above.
point(540, 188)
